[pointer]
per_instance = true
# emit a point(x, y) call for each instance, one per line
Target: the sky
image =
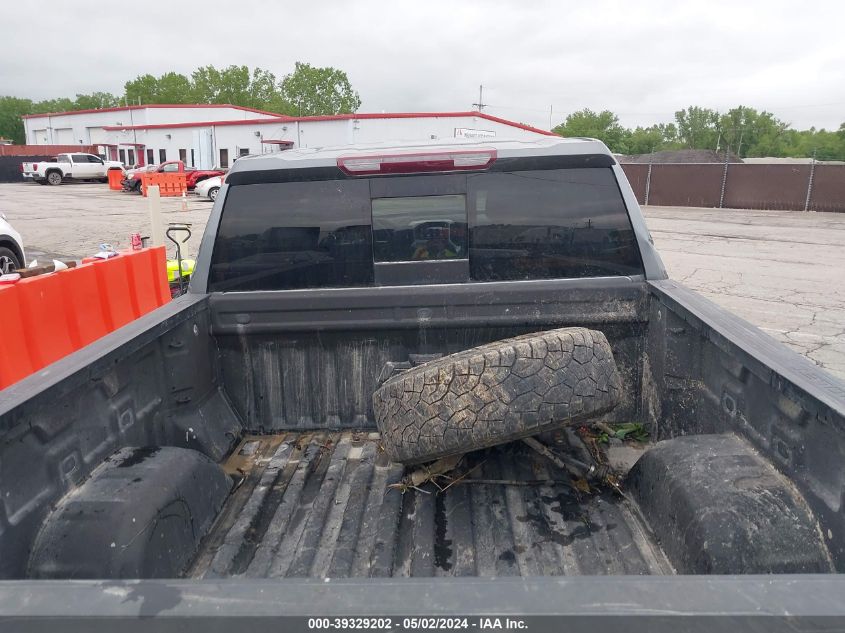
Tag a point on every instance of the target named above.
point(538, 61)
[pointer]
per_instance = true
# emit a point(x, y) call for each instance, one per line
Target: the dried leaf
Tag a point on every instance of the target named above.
point(581, 485)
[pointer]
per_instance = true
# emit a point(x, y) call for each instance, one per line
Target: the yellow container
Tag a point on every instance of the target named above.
point(173, 269)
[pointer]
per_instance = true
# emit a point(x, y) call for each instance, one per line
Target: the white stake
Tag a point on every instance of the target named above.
point(156, 221)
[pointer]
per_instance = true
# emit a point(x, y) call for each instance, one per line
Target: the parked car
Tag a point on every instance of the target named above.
point(262, 425)
point(69, 167)
point(12, 256)
point(132, 182)
point(210, 187)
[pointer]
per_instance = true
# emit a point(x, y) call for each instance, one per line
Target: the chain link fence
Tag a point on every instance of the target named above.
point(777, 186)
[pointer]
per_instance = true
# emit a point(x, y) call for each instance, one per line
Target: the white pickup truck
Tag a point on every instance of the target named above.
point(69, 167)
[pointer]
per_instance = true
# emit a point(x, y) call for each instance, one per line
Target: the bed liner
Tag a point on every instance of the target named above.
point(318, 505)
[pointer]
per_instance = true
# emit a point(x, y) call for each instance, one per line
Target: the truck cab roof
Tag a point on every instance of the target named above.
point(505, 148)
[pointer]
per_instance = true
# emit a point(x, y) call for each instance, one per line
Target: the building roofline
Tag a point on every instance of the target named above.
point(169, 126)
point(152, 105)
point(334, 117)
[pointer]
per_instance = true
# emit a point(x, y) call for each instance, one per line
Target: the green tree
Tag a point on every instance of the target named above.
point(235, 85)
point(750, 133)
point(603, 126)
point(652, 139)
point(13, 108)
point(310, 90)
point(11, 111)
point(62, 104)
point(95, 100)
point(169, 88)
point(698, 127)
point(824, 144)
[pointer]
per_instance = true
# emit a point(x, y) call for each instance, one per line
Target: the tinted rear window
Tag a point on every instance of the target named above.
point(417, 228)
point(519, 225)
point(282, 236)
point(549, 224)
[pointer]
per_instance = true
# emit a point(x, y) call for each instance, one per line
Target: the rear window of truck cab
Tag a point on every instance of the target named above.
point(445, 228)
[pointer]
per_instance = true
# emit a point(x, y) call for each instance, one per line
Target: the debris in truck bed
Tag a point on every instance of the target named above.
point(627, 431)
point(514, 514)
point(430, 472)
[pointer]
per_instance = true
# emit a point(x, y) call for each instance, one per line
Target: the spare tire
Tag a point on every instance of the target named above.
point(496, 393)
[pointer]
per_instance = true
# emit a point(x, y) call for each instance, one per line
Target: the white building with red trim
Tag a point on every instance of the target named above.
point(207, 136)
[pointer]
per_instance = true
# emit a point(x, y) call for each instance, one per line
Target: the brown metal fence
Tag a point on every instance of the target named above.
point(740, 186)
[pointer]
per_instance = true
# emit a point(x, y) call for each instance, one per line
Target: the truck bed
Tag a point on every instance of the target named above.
point(320, 505)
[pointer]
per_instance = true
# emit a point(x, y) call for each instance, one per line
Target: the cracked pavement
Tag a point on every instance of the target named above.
point(784, 271)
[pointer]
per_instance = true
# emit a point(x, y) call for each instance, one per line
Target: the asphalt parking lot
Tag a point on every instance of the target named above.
point(782, 271)
point(72, 220)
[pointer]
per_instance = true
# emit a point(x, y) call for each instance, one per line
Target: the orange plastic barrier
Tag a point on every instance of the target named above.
point(115, 294)
point(144, 294)
point(115, 176)
point(45, 327)
point(50, 316)
point(158, 262)
point(15, 362)
point(169, 184)
point(86, 314)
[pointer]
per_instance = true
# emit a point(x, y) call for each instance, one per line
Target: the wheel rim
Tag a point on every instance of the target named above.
point(7, 264)
point(54, 178)
point(213, 194)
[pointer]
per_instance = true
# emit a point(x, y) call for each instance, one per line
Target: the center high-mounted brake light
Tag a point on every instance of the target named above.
point(469, 160)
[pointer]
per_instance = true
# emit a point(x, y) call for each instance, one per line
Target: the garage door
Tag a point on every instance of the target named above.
point(64, 136)
point(97, 136)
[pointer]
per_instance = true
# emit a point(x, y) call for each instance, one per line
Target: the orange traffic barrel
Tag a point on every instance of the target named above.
point(115, 176)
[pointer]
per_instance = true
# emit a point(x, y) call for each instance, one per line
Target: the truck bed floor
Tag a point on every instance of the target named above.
point(319, 505)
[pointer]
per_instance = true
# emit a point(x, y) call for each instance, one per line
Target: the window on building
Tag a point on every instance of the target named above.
point(183, 155)
point(193, 159)
point(162, 155)
point(224, 158)
point(151, 157)
point(122, 154)
point(243, 151)
point(419, 228)
point(279, 236)
point(130, 156)
point(549, 224)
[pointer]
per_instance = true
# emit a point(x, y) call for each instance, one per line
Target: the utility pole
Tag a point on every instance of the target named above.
point(480, 105)
point(551, 110)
